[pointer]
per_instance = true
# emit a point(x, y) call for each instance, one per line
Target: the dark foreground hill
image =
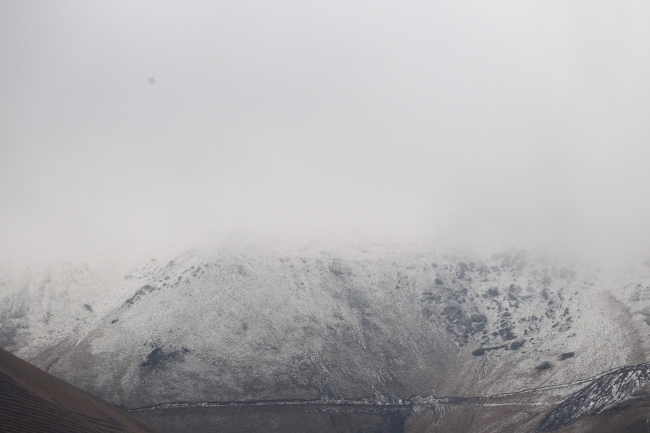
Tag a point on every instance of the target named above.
point(34, 401)
point(345, 338)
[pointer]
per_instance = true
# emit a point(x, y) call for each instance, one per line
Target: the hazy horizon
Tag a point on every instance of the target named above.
point(141, 128)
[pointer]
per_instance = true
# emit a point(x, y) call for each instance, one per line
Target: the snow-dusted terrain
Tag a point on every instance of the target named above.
point(425, 333)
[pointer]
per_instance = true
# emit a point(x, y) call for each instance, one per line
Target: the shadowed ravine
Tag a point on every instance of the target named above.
point(347, 340)
point(602, 392)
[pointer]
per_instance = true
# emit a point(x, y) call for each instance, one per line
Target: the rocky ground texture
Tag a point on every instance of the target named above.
point(321, 337)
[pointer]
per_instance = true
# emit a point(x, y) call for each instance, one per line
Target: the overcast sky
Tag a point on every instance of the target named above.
point(484, 123)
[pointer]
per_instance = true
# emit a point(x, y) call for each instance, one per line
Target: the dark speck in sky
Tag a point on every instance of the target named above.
point(483, 124)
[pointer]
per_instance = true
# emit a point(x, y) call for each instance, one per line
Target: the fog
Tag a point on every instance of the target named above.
point(132, 128)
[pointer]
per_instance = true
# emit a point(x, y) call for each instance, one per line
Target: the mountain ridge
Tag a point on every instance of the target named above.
point(311, 323)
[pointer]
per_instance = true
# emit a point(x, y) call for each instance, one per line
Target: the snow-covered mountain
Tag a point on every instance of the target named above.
point(411, 338)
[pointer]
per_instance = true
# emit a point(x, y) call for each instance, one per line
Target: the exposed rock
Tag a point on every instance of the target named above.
point(603, 393)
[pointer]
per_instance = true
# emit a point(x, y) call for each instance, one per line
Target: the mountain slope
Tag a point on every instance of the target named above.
point(34, 401)
point(334, 325)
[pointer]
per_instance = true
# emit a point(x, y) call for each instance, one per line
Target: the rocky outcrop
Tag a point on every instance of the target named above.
point(336, 325)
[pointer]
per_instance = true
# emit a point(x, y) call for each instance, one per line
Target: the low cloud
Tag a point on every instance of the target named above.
point(488, 125)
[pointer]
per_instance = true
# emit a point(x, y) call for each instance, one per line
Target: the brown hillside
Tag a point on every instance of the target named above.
point(32, 400)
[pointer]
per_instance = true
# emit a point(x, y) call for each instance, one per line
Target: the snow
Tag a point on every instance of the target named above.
point(321, 321)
